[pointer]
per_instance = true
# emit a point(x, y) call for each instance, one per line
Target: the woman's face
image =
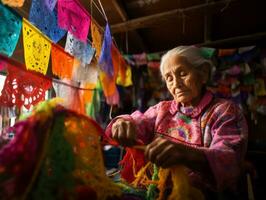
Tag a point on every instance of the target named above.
point(183, 81)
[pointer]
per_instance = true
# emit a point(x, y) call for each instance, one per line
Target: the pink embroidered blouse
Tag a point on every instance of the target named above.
point(216, 126)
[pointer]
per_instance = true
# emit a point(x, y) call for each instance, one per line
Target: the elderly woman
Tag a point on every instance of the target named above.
point(206, 134)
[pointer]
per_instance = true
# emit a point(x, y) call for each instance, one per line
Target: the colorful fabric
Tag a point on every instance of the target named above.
point(54, 162)
point(84, 52)
point(62, 62)
point(37, 48)
point(105, 60)
point(96, 39)
point(46, 20)
point(13, 3)
point(10, 26)
point(216, 126)
point(23, 88)
point(50, 4)
point(74, 18)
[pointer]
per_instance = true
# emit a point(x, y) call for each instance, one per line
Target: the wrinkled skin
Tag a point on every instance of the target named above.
point(185, 84)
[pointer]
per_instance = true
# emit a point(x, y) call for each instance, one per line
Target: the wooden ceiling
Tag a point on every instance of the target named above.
point(157, 25)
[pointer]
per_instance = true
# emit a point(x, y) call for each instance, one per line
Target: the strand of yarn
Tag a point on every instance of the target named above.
point(151, 192)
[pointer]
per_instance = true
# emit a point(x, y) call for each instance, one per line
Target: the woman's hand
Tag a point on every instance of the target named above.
point(124, 132)
point(165, 153)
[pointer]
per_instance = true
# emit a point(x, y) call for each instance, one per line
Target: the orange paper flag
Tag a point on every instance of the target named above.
point(62, 62)
point(13, 3)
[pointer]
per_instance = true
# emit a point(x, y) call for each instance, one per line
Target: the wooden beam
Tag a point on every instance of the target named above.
point(147, 21)
point(230, 41)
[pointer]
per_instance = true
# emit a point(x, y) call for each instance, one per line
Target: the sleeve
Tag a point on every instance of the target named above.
point(144, 122)
point(228, 147)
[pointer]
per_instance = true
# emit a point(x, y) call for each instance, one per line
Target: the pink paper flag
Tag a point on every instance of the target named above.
point(74, 18)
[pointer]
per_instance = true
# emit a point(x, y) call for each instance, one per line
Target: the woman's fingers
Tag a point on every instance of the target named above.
point(124, 132)
point(163, 153)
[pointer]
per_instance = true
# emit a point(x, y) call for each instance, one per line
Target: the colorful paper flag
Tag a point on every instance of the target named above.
point(62, 62)
point(10, 27)
point(96, 39)
point(50, 4)
point(74, 18)
point(109, 89)
point(84, 52)
point(13, 3)
point(37, 48)
point(23, 88)
point(105, 60)
point(45, 20)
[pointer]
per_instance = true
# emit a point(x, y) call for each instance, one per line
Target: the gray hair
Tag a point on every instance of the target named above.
point(192, 53)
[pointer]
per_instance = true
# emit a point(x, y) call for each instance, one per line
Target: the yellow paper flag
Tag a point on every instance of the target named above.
point(96, 39)
point(37, 48)
point(128, 79)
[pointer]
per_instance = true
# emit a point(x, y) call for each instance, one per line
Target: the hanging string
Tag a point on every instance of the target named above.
point(110, 112)
point(99, 1)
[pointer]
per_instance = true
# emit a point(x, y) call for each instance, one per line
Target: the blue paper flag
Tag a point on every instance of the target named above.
point(46, 20)
point(10, 26)
point(84, 52)
point(105, 60)
point(50, 4)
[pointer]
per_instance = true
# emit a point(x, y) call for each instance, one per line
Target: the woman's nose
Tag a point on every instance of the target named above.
point(177, 82)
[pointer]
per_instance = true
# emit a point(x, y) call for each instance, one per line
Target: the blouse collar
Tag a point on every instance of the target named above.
point(194, 112)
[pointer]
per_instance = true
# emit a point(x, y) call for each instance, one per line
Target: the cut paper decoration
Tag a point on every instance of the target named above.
point(93, 108)
point(109, 89)
point(45, 20)
point(96, 39)
point(128, 80)
point(226, 52)
point(13, 3)
point(153, 56)
point(129, 59)
point(37, 48)
point(105, 60)
point(154, 65)
point(244, 49)
point(207, 52)
point(84, 52)
point(10, 27)
point(62, 62)
point(50, 4)
point(23, 88)
point(119, 63)
point(259, 87)
point(74, 18)
point(235, 70)
point(85, 74)
point(70, 93)
point(140, 59)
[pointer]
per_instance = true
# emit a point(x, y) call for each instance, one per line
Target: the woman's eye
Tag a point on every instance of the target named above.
point(182, 73)
point(169, 78)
